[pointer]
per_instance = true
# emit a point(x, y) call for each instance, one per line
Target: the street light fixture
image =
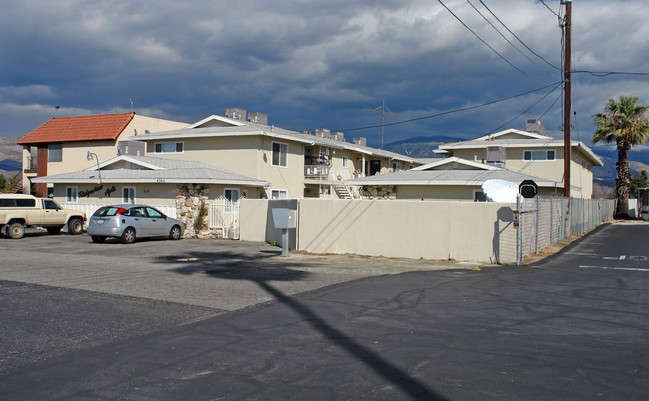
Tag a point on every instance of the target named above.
point(89, 156)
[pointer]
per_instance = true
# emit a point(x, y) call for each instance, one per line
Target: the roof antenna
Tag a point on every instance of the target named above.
point(382, 110)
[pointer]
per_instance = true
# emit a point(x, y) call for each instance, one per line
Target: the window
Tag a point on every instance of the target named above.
point(49, 204)
point(396, 166)
point(345, 161)
point(71, 194)
point(479, 196)
point(231, 194)
point(535, 155)
point(54, 152)
point(278, 194)
point(169, 147)
point(280, 151)
point(245, 193)
point(154, 213)
point(128, 195)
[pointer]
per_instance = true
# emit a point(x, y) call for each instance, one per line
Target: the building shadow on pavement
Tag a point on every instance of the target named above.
point(264, 267)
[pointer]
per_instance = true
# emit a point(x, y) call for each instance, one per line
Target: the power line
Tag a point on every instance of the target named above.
point(523, 43)
point(452, 111)
point(607, 73)
point(529, 108)
point(546, 6)
point(507, 40)
point(487, 44)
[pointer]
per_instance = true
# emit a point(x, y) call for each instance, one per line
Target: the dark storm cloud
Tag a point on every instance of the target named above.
point(311, 64)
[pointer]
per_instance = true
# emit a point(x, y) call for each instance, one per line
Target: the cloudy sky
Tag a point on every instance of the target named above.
point(318, 63)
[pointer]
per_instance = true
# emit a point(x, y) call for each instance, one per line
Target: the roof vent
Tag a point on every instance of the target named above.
point(360, 140)
point(235, 113)
point(322, 133)
point(536, 127)
point(259, 118)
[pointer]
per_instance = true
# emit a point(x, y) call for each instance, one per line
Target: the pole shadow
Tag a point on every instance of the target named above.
point(261, 269)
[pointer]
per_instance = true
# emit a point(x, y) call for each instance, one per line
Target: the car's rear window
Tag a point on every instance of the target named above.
point(107, 211)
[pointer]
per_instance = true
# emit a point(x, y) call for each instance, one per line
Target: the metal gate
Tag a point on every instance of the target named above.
point(224, 216)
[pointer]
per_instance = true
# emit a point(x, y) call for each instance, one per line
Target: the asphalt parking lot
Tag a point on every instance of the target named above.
point(573, 326)
point(176, 271)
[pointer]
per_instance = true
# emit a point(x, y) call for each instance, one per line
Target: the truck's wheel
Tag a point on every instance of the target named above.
point(16, 230)
point(75, 226)
point(128, 236)
point(54, 230)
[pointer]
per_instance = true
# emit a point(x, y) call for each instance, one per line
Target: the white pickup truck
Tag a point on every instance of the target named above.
point(18, 211)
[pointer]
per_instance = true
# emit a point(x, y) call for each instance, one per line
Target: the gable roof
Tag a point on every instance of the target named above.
point(75, 129)
point(530, 143)
point(454, 164)
point(202, 129)
point(144, 169)
point(512, 132)
point(456, 177)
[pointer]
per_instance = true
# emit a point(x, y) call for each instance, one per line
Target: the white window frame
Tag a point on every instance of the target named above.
point(72, 191)
point(547, 153)
point(162, 144)
point(128, 200)
point(345, 162)
point(278, 192)
point(232, 190)
point(272, 154)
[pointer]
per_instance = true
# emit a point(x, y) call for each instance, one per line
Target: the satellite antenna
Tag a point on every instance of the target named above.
point(500, 191)
point(383, 111)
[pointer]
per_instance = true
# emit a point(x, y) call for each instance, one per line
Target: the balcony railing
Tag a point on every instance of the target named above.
point(316, 172)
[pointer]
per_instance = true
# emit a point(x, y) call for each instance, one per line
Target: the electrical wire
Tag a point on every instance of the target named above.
point(546, 6)
point(507, 40)
point(523, 43)
point(608, 73)
point(452, 111)
point(526, 110)
point(487, 44)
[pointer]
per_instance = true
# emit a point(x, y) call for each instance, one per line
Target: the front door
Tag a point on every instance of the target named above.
point(375, 167)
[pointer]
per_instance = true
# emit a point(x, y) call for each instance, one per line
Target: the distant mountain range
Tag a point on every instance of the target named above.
point(11, 156)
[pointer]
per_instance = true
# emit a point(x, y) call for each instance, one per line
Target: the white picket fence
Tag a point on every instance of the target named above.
point(224, 216)
point(90, 209)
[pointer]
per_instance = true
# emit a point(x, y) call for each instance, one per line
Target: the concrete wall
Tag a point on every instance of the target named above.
point(471, 231)
point(256, 221)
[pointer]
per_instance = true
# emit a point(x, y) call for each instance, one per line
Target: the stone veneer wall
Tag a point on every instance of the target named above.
point(379, 192)
point(188, 203)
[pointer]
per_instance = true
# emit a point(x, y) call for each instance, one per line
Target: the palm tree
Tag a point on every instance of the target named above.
point(626, 124)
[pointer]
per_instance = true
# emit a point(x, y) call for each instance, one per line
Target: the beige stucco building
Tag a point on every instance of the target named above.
point(531, 152)
point(61, 145)
point(296, 165)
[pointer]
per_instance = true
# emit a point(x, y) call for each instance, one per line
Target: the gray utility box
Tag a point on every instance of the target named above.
point(285, 218)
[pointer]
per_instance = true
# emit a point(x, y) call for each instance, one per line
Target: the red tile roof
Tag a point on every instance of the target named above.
point(74, 129)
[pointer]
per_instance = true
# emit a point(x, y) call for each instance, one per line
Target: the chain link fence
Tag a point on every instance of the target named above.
point(550, 220)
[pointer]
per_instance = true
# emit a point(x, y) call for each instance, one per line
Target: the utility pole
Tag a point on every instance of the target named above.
point(566, 98)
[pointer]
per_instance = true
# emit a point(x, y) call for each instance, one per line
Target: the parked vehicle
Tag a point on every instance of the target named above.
point(129, 222)
point(18, 211)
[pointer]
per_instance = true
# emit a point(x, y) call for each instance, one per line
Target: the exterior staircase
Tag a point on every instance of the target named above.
point(342, 191)
point(14, 185)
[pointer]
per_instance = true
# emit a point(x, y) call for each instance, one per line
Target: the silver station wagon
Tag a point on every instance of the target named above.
point(132, 221)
